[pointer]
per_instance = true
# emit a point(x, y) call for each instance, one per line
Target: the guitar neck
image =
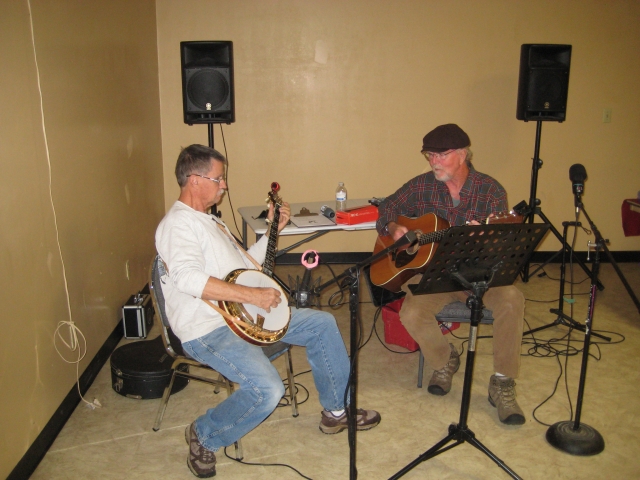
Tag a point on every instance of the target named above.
point(432, 237)
point(270, 258)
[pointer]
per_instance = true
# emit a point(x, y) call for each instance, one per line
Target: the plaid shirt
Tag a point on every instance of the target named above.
point(480, 196)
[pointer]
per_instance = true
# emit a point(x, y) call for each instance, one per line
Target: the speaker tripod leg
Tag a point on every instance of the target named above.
point(568, 247)
point(562, 318)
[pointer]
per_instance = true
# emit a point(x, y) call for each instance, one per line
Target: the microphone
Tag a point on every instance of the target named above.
point(302, 294)
point(577, 175)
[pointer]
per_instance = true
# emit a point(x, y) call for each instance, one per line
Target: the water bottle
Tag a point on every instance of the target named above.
point(341, 198)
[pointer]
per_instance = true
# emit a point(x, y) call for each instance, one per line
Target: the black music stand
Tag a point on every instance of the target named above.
point(475, 258)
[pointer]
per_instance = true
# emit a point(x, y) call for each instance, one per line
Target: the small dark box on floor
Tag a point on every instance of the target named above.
point(137, 316)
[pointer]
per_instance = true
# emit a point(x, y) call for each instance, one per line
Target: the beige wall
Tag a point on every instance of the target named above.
point(98, 68)
point(393, 71)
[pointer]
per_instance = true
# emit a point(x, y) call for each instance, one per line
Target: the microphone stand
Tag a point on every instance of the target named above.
point(353, 274)
point(301, 291)
point(572, 436)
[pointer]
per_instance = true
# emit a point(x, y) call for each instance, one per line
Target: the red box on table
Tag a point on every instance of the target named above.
point(353, 216)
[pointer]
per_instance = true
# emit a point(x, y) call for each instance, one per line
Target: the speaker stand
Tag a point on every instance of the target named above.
point(211, 143)
point(533, 208)
point(564, 319)
point(214, 208)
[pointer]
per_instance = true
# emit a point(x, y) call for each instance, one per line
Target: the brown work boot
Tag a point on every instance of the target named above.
point(366, 419)
point(440, 383)
point(201, 462)
point(502, 394)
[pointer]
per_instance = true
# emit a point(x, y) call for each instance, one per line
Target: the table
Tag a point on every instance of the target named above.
point(259, 226)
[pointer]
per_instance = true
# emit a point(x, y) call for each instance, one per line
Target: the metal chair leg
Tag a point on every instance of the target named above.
point(420, 369)
point(292, 386)
point(238, 449)
point(164, 401)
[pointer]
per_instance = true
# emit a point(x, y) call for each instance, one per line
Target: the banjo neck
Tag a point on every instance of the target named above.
point(269, 263)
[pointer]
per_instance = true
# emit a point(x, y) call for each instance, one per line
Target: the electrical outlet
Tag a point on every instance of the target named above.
point(606, 115)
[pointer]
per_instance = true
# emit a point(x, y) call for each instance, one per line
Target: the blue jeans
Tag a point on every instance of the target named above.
point(260, 384)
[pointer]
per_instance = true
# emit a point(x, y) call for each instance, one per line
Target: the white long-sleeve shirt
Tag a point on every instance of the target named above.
point(194, 248)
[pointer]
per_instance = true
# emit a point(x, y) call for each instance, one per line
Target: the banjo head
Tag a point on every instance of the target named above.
point(274, 323)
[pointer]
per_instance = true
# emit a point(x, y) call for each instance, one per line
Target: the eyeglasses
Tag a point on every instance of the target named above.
point(217, 180)
point(435, 155)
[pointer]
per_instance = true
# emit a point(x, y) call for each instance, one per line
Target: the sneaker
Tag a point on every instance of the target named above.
point(502, 395)
point(366, 419)
point(201, 462)
point(440, 383)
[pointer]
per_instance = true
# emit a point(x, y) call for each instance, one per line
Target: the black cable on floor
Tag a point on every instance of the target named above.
point(562, 347)
point(265, 464)
point(284, 402)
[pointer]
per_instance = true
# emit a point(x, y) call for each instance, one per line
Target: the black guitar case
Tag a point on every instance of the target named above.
point(142, 370)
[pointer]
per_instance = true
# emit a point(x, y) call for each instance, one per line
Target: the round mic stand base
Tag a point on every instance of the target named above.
point(584, 440)
point(571, 436)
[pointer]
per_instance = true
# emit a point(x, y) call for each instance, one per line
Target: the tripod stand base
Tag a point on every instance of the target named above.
point(566, 321)
point(459, 435)
point(584, 440)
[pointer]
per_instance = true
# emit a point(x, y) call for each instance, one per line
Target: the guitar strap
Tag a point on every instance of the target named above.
point(225, 314)
point(239, 247)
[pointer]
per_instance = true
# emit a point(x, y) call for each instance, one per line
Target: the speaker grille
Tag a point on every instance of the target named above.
point(208, 89)
point(546, 90)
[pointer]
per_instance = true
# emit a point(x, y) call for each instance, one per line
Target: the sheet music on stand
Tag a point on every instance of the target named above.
point(474, 251)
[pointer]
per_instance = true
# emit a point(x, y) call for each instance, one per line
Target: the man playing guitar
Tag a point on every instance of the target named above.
point(199, 252)
point(456, 192)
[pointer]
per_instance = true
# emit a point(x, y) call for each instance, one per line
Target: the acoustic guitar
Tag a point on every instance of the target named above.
point(393, 270)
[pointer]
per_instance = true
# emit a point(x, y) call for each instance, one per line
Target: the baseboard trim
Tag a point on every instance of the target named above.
point(38, 449)
point(538, 257)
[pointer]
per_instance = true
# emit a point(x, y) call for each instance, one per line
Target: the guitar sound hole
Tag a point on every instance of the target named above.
point(403, 258)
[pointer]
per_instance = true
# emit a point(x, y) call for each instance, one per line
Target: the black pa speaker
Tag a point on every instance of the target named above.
point(207, 82)
point(544, 82)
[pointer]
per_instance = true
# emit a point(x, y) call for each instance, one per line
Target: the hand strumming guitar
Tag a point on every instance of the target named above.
point(396, 230)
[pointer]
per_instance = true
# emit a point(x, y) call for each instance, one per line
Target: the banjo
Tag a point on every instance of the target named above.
point(251, 323)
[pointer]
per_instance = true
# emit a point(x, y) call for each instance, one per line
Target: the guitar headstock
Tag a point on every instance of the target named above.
point(273, 196)
point(505, 217)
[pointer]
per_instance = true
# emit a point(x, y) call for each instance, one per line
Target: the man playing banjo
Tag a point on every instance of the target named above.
point(199, 252)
